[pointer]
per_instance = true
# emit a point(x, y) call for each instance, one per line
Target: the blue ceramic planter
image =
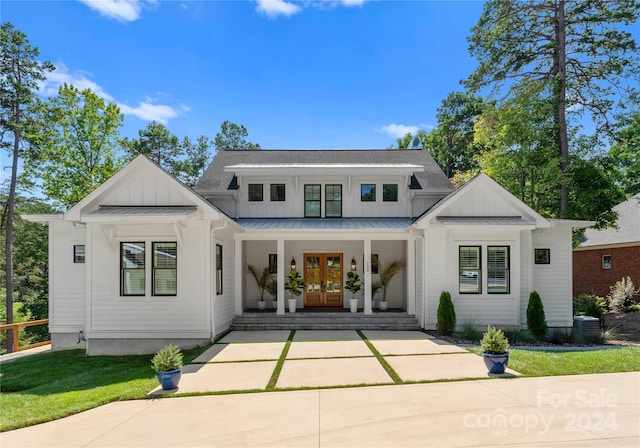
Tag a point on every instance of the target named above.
point(496, 363)
point(169, 379)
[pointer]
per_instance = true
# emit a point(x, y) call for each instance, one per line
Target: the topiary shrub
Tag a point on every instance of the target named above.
point(446, 322)
point(590, 305)
point(494, 342)
point(535, 316)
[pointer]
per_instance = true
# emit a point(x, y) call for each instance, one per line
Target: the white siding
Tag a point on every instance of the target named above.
point(419, 279)
point(223, 310)
point(480, 309)
point(186, 313)
point(293, 206)
point(480, 201)
point(67, 280)
point(554, 281)
point(147, 187)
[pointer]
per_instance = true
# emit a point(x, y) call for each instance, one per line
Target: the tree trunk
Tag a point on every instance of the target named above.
point(561, 93)
point(9, 230)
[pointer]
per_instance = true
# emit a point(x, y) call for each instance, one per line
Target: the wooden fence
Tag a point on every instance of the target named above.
point(16, 340)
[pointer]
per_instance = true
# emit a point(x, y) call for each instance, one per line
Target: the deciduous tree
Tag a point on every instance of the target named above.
point(79, 153)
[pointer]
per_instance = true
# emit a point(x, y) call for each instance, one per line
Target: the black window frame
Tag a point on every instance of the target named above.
point(385, 193)
point(79, 256)
point(124, 269)
point(328, 202)
point(491, 270)
point(155, 269)
point(607, 261)
point(469, 270)
point(369, 196)
point(542, 256)
point(253, 191)
point(274, 190)
point(219, 262)
point(308, 201)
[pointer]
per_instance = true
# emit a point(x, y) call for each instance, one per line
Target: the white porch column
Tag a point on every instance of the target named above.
point(368, 309)
point(411, 277)
point(280, 277)
point(238, 264)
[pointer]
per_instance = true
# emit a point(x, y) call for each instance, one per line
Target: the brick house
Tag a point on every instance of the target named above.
point(607, 255)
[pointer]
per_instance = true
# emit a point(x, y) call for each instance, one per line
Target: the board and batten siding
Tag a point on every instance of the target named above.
point(147, 187)
point(184, 315)
point(293, 206)
point(223, 304)
point(67, 280)
point(554, 281)
point(419, 279)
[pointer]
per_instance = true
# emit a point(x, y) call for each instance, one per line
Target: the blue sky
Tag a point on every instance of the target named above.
point(312, 74)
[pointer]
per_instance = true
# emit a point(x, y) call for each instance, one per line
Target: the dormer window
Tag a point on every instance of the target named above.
point(255, 193)
point(390, 192)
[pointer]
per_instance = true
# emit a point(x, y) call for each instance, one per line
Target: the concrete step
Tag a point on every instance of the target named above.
point(330, 320)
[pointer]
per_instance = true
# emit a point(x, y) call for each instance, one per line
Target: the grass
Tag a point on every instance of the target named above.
point(48, 386)
point(553, 362)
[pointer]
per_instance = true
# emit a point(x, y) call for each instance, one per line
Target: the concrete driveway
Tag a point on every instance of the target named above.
point(247, 361)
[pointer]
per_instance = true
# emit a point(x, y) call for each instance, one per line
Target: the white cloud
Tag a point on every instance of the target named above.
point(352, 2)
point(399, 130)
point(146, 110)
point(150, 112)
point(274, 8)
point(123, 10)
point(78, 79)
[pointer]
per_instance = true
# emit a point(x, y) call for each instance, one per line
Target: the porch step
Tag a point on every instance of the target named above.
point(321, 320)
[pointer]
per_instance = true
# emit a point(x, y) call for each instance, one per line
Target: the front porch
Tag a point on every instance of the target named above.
point(325, 320)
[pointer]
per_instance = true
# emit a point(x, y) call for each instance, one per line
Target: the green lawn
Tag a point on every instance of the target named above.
point(553, 362)
point(48, 386)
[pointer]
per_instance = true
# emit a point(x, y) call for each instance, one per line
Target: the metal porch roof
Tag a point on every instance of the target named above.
point(324, 223)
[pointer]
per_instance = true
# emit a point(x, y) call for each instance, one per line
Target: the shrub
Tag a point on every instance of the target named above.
point(535, 315)
point(590, 305)
point(517, 336)
point(494, 341)
point(446, 322)
point(621, 294)
point(167, 358)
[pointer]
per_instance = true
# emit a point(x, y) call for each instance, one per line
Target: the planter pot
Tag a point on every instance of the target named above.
point(353, 305)
point(292, 305)
point(496, 363)
point(262, 304)
point(169, 380)
point(383, 305)
point(274, 304)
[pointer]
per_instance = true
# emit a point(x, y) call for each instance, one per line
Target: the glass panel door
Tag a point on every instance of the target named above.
point(323, 280)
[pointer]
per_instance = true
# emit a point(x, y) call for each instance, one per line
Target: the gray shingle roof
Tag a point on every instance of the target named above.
point(628, 223)
point(216, 180)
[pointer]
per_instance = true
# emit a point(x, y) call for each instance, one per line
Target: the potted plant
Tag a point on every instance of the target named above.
point(353, 285)
point(168, 363)
point(494, 345)
point(272, 288)
point(386, 275)
point(294, 283)
point(262, 278)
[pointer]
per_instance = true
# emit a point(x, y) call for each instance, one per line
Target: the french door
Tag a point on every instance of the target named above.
point(323, 280)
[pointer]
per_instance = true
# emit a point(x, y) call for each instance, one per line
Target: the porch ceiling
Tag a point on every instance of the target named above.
point(325, 223)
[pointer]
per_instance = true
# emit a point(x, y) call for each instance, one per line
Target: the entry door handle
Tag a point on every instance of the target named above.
point(321, 286)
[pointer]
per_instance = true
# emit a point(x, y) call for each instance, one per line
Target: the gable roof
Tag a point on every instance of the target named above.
point(628, 226)
point(79, 211)
point(218, 180)
point(531, 218)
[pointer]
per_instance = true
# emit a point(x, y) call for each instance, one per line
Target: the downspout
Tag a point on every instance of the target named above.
point(212, 330)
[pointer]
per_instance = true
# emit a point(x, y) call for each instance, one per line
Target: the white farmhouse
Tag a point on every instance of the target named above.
point(144, 260)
